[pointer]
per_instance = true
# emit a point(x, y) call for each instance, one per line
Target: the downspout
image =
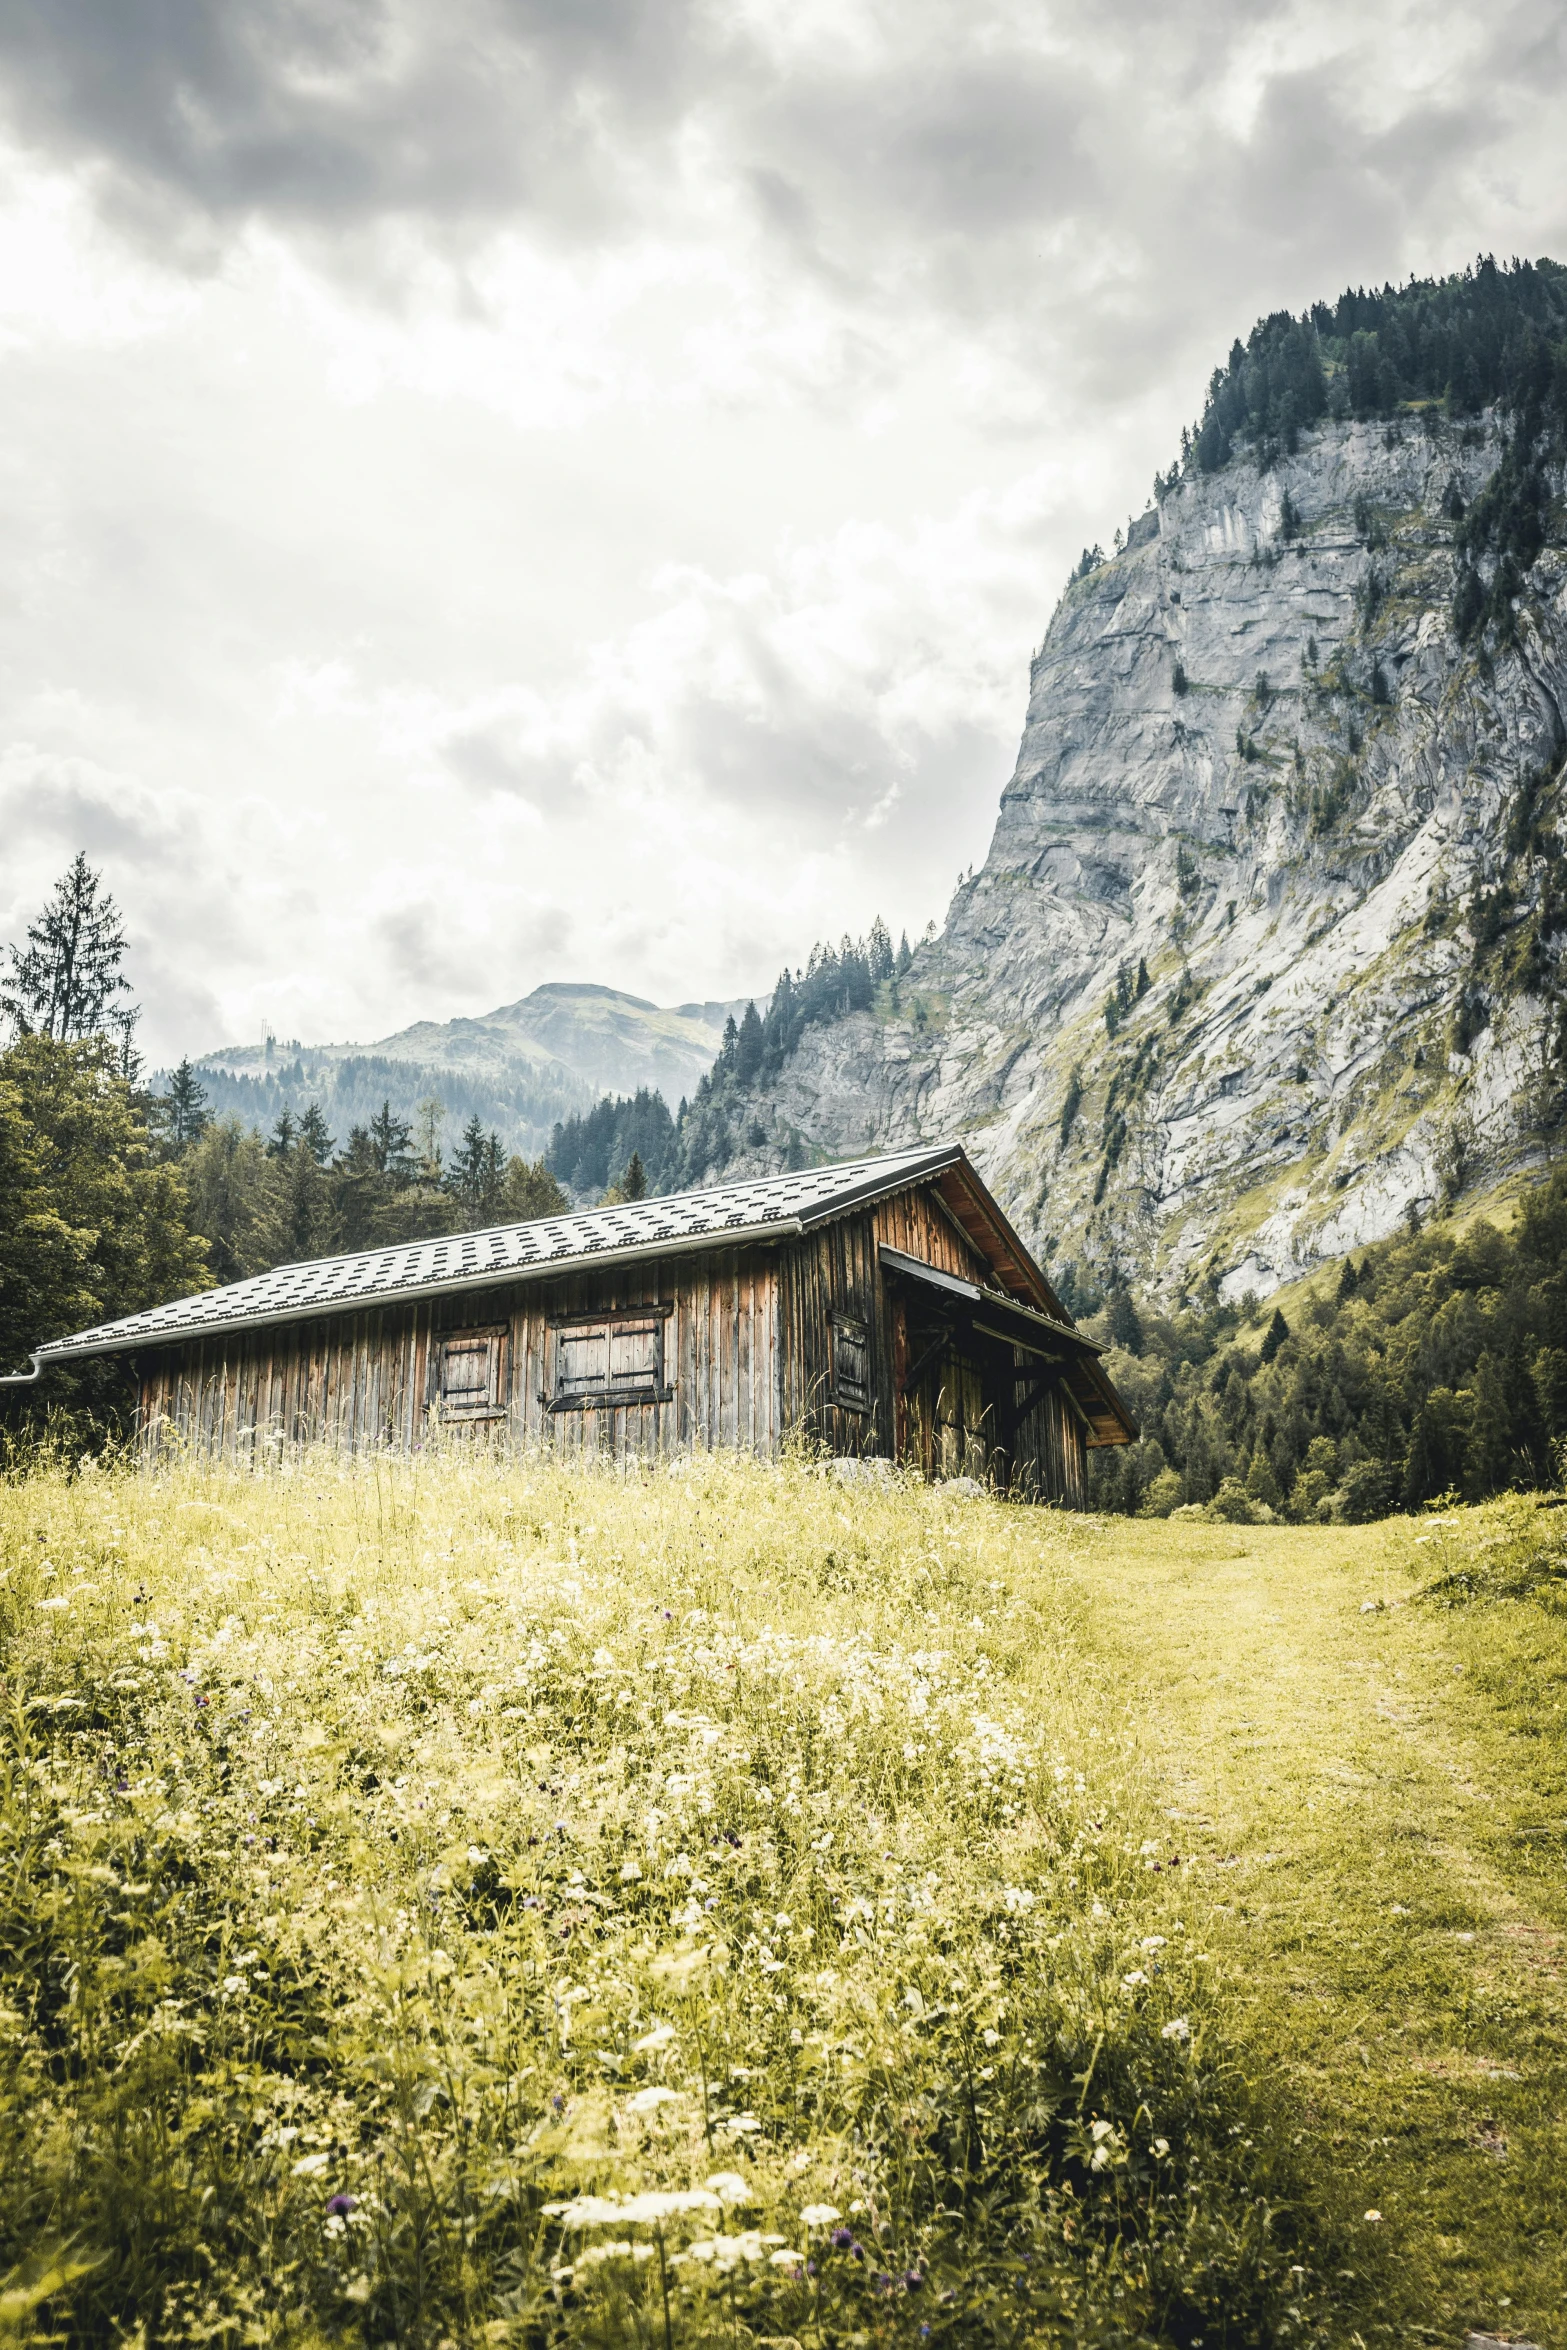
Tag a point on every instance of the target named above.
point(22, 1378)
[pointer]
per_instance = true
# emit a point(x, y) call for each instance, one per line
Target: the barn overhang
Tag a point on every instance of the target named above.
point(1049, 1342)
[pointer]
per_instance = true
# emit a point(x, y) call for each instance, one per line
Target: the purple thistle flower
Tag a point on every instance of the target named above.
point(842, 2238)
point(339, 2206)
point(912, 2280)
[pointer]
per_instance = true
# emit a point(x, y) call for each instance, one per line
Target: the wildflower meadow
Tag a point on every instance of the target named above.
point(476, 1901)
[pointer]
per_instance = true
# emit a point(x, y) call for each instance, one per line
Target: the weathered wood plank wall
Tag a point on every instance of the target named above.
point(367, 1380)
point(749, 1357)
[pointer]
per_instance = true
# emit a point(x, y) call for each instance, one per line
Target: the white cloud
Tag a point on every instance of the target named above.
point(521, 492)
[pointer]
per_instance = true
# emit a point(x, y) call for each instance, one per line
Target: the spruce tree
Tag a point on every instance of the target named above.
point(633, 1183)
point(389, 1140)
point(184, 1108)
point(748, 1047)
point(66, 981)
point(1277, 1331)
point(314, 1137)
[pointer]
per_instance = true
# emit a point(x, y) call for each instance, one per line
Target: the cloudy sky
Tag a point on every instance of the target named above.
point(506, 490)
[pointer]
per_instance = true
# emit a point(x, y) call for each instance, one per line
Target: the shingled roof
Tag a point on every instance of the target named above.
point(770, 1207)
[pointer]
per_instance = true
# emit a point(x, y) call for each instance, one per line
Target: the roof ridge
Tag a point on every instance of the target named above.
point(661, 1225)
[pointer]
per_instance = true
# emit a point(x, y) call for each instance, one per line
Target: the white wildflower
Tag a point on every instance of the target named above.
point(604, 2211)
point(1176, 2029)
point(310, 2166)
point(660, 2037)
point(820, 2215)
point(649, 2100)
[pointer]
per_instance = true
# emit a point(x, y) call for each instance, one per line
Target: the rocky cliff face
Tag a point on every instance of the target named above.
point(1303, 842)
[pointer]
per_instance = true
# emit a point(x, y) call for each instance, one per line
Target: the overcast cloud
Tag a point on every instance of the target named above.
point(529, 489)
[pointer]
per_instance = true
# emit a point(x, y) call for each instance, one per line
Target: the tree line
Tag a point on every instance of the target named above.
point(1485, 337)
point(592, 1149)
point(1435, 1365)
point(116, 1196)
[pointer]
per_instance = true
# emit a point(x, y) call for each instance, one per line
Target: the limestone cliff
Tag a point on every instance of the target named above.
point(1264, 782)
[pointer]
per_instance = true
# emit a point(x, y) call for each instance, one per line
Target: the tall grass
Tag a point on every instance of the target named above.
point(1512, 1548)
point(475, 1902)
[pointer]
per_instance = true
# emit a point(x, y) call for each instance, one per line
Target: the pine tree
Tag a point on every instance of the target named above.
point(633, 1184)
point(466, 1175)
point(1277, 1332)
point(878, 952)
point(184, 1108)
point(905, 953)
point(748, 1048)
point(65, 983)
point(285, 1134)
point(389, 1140)
point(314, 1137)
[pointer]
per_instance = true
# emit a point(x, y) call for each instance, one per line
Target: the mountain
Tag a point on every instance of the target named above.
point(1265, 956)
point(518, 1069)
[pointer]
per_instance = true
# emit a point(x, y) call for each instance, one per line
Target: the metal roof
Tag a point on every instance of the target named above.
point(1025, 1323)
point(771, 1207)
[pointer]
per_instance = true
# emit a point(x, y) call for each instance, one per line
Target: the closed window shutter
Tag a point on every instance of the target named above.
point(582, 1362)
point(470, 1374)
point(618, 1359)
point(851, 1363)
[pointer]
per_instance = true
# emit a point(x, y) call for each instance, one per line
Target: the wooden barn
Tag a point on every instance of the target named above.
point(884, 1307)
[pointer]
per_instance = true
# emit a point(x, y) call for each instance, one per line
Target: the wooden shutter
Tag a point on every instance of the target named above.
point(470, 1375)
point(851, 1363)
point(606, 1360)
point(581, 1362)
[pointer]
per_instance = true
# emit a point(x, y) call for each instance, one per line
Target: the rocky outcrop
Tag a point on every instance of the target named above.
point(1264, 952)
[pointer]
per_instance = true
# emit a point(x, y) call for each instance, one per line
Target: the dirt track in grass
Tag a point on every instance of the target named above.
point(1372, 1808)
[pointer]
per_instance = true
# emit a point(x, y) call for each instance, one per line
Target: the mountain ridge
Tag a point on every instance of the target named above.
point(1264, 953)
point(519, 1068)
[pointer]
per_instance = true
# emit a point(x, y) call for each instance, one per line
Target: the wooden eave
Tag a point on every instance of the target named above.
point(984, 1224)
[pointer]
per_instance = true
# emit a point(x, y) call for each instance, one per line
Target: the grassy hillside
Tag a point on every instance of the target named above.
point(481, 1904)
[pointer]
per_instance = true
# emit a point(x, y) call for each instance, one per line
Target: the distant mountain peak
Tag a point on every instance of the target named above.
point(580, 990)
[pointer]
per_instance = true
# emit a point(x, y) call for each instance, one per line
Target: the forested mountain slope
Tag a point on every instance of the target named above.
point(1265, 952)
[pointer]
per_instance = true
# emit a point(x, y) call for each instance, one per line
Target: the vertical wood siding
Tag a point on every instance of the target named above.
point(748, 1358)
point(366, 1381)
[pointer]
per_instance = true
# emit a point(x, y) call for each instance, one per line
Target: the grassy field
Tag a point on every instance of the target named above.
point(1379, 1799)
point(489, 1904)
